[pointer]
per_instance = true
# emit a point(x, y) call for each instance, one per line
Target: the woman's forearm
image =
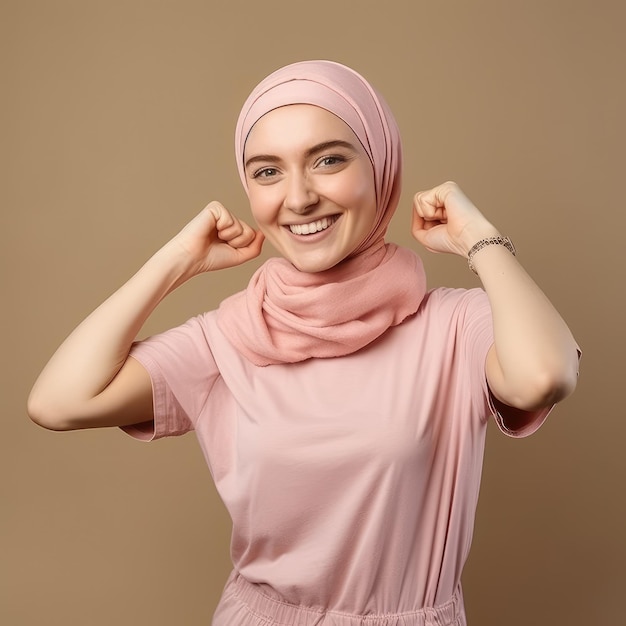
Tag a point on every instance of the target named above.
point(92, 355)
point(90, 381)
point(534, 361)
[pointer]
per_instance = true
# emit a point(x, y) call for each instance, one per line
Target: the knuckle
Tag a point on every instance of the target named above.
point(214, 206)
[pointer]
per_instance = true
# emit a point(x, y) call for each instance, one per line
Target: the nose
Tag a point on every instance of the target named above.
point(300, 195)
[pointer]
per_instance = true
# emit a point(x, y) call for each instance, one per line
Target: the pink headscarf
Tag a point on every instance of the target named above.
point(286, 316)
point(350, 97)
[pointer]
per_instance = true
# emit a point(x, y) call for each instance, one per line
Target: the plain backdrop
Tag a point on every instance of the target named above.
point(117, 126)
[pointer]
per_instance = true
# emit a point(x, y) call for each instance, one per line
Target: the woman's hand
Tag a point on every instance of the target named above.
point(90, 381)
point(534, 360)
point(446, 220)
point(216, 239)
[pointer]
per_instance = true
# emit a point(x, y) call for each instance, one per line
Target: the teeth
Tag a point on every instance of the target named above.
point(312, 227)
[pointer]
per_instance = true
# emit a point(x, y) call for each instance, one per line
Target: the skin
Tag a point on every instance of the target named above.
point(91, 382)
point(533, 362)
point(305, 165)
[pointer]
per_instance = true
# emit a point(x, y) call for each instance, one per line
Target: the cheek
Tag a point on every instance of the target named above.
point(358, 192)
point(261, 206)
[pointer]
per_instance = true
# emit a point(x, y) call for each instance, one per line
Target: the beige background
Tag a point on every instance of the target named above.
point(117, 122)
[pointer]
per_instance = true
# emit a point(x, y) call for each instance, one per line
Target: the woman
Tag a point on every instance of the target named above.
point(340, 405)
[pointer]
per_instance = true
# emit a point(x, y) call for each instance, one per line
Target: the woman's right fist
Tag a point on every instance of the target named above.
point(215, 239)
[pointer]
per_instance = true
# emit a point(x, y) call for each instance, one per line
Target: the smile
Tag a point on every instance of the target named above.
point(313, 227)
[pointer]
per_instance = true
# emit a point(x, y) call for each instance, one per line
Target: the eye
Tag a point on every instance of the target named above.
point(265, 172)
point(331, 160)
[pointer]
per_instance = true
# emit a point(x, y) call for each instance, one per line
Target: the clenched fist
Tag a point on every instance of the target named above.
point(216, 239)
point(446, 220)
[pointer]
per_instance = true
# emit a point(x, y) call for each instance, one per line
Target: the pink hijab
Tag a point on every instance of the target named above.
point(286, 316)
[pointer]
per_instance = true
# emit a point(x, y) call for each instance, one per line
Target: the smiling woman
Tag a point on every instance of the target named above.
point(342, 408)
point(314, 201)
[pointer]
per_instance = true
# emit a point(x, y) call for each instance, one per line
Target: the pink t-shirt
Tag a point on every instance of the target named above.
point(352, 482)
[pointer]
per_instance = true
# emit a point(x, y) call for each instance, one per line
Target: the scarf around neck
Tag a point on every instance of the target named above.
point(287, 316)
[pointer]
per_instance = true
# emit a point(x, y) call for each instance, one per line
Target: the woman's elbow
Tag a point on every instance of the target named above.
point(561, 378)
point(43, 414)
point(537, 383)
point(547, 388)
point(557, 388)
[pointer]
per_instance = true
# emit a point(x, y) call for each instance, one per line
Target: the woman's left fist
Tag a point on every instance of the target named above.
point(446, 220)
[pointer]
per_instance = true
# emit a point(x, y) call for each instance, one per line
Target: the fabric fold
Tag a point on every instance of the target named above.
point(286, 316)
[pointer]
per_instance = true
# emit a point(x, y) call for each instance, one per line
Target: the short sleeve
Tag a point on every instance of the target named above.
point(511, 421)
point(516, 422)
point(182, 371)
point(474, 338)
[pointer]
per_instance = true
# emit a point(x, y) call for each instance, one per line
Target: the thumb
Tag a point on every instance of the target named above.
point(418, 224)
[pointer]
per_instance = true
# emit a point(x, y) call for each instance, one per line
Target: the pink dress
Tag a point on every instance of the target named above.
point(352, 482)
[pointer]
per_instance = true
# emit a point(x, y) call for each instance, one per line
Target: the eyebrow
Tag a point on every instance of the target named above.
point(325, 145)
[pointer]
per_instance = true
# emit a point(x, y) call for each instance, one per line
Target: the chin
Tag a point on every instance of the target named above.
point(311, 268)
point(316, 268)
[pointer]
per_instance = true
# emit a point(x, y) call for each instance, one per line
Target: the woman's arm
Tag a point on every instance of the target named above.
point(90, 381)
point(534, 360)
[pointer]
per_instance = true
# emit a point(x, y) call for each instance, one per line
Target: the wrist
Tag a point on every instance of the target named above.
point(474, 234)
point(498, 241)
point(173, 263)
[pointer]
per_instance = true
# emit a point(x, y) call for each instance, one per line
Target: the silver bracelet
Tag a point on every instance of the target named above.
point(489, 241)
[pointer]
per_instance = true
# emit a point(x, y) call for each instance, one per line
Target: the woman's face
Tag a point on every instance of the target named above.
point(310, 185)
